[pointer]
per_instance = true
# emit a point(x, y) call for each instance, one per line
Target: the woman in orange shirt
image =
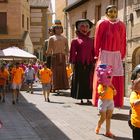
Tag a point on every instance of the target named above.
point(106, 92)
point(135, 107)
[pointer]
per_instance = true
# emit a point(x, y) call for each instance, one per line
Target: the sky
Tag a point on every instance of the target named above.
point(53, 5)
point(53, 8)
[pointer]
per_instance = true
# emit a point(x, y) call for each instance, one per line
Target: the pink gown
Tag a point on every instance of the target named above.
point(110, 37)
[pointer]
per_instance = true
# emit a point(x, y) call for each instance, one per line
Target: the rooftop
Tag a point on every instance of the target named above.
point(74, 5)
point(40, 3)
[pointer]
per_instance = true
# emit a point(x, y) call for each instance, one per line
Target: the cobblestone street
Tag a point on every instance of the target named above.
point(61, 119)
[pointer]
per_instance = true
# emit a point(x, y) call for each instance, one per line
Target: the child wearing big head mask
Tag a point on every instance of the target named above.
point(106, 93)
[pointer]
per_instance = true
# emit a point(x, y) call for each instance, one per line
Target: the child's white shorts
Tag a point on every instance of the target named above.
point(104, 105)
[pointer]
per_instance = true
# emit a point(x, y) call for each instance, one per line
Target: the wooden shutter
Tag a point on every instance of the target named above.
point(97, 13)
point(2, 1)
point(3, 22)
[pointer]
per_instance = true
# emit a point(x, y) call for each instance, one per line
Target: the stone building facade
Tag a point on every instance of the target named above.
point(15, 24)
point(41, 20)
point(91, 9)
point(128, 12)
point(133, 37)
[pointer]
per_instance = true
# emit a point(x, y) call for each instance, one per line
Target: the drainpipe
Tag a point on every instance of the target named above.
point(126, 71)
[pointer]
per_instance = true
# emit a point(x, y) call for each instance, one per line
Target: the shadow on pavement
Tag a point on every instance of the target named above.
point(126, 107)
point(37, 89)
point(85, 104)
point(62, 93)
point(122, 138)
point(117, 138)
point(40, 123)
point(118, 116)
point(57, 102)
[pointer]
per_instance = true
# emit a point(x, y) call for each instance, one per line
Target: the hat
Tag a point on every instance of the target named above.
point(83, 20)
point(104, 73)
point(57, 22)
point(110, 6)
point(136, 85)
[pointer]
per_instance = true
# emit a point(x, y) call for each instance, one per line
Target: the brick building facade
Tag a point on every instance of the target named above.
point(41, 20)
point(15, 24)
point(128, 12)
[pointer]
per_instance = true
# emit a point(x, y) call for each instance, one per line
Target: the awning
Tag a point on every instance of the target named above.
point(15, 52)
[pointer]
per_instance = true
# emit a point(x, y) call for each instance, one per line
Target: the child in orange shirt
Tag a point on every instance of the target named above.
point(45, 75)
point(106, 92)
point(69, 74)
point(135, 109)
point(4, 74)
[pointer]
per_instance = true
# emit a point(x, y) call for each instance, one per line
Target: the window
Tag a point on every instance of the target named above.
point(27, 23)
point(2, 1)
point(22, 21)
point(97, 13)
point(84, 14)
point(3, 23)
point(138, 1)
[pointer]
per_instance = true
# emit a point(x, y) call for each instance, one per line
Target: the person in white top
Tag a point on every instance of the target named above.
point(30, 77)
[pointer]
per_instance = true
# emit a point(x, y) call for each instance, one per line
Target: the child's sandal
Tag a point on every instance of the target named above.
point(109, 134)
point(97, 130)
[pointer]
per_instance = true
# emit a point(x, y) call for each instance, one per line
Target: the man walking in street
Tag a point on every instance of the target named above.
point(30, 77)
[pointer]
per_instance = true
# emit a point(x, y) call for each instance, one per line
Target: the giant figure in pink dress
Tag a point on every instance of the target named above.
point(110, 48)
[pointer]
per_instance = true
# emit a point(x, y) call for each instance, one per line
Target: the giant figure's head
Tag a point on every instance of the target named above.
point(83, 26)
point(57, 27)
point(111, 12)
